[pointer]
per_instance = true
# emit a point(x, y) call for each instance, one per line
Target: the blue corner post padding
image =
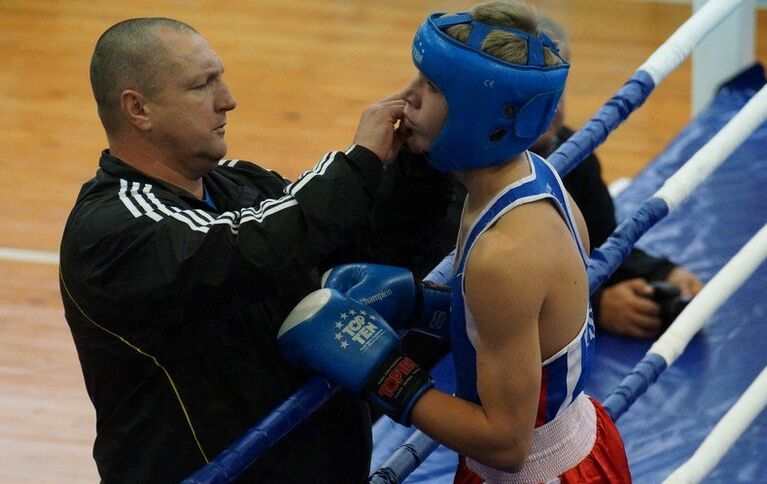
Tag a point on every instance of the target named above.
point(607, 258)
point(633, 385)
point(616, 110)
point(231, 463)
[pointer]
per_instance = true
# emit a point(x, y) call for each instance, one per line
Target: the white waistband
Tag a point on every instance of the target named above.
point(557, 446)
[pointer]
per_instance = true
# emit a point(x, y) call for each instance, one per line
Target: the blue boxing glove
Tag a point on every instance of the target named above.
point(351, 345)
point(394, 293)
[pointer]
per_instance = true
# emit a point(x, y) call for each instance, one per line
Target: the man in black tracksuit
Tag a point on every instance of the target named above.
point(177, 270)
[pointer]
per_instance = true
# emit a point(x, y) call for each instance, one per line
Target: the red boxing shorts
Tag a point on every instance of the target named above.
point(604, 463)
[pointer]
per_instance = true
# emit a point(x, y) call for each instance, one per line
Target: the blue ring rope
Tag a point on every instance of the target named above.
point(232, 462)
point(581, 144)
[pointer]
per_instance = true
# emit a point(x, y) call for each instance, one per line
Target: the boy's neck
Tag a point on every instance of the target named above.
point(483, 184)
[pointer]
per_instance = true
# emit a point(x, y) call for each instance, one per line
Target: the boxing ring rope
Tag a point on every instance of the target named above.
point(233, 461)
point(228, 465)
point(664, 352)
point(668, 348)
point(724, 434)
point(678, 187)
point(639, 87)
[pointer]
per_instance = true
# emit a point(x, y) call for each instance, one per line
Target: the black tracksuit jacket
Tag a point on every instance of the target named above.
point(174, 307)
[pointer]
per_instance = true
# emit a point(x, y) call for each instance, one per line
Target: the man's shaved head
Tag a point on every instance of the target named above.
point(130, 55)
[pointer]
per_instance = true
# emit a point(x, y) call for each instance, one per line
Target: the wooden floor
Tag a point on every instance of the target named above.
point(302, 71)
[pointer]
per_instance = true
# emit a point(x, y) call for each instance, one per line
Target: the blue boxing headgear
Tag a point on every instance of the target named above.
point(496, 109)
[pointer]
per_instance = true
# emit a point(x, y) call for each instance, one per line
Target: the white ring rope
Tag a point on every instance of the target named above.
point(713, 153)
point(724, 434)
point(719, 288)
point(677, 47)
point(641, 84)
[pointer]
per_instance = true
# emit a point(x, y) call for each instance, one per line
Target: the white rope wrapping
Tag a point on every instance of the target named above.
point(716, 151)
point(724, 283)
point(724, 434)
point(676, 49)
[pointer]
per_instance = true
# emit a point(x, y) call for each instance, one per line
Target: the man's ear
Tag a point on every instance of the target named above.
point(134, 107)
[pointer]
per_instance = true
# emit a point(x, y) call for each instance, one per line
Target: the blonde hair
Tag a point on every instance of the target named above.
point(504, 45)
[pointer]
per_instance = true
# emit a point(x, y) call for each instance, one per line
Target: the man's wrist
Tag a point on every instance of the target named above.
point(362, 154)
point(367, 164)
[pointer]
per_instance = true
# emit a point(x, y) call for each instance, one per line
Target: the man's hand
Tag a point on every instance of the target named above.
point(686, 281)
point(627, 309)
point(378, 128)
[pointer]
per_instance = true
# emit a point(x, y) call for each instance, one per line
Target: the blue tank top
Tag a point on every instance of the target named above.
point(565, 373)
